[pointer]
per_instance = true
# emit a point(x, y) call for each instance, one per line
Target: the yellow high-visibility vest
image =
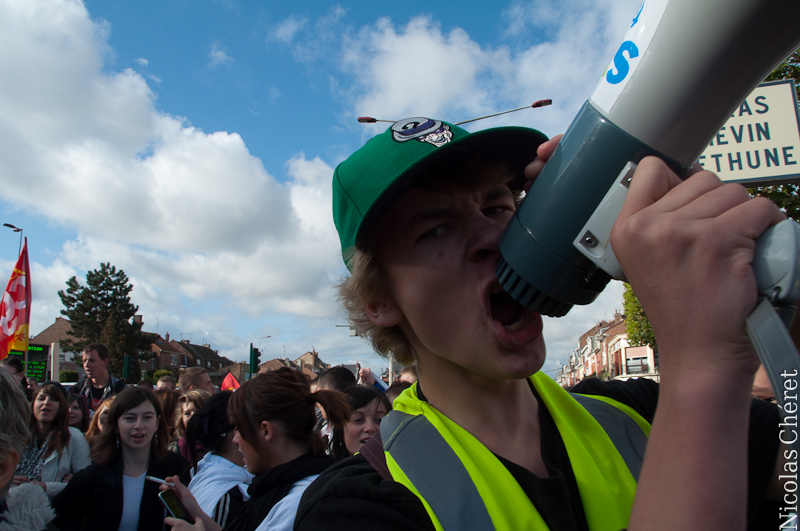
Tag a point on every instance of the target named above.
point(463, 485)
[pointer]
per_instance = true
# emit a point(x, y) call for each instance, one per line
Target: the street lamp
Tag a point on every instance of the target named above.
point(259, 341)
point(15, 229)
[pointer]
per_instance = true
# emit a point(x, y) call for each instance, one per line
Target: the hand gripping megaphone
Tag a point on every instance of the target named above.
point(683, 67)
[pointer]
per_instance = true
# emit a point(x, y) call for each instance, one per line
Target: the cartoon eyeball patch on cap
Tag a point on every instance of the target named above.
point(423, 129)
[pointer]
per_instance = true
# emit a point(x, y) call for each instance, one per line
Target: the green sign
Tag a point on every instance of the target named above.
point(38, 357)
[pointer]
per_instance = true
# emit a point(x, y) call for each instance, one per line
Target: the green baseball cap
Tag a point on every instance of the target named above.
point(370, 179)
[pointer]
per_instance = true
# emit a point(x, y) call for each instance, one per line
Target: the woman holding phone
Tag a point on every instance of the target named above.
point(274, 418)
point(113, 493)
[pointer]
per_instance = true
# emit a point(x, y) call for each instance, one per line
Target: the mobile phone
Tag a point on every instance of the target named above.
point(174, 505)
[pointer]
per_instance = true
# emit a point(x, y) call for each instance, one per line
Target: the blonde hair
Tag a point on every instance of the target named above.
point(197, 397)
point(364, 285)
point(368, 280)
point(94, 427)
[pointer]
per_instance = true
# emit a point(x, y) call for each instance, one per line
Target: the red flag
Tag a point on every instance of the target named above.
point(15, 308)
point(230, 383)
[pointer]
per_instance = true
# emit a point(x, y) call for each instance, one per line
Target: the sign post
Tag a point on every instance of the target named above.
point(55, 362)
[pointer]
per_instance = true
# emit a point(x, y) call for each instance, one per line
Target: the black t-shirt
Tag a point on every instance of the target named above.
point(351, 494)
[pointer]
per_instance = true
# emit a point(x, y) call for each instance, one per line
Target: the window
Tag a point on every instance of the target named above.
point(173, 359)
point(637, 366)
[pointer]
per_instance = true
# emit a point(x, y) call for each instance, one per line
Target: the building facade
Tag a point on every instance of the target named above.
point(604, 352)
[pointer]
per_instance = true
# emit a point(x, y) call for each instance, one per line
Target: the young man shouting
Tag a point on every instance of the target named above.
point(483, 440)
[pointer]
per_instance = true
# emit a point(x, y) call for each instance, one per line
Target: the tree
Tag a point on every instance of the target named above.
point(159, 373)
point(786, 196)
point(68, 376)
point(102, 311)
point(640, 333)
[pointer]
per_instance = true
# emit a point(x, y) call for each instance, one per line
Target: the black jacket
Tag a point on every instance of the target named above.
point(272, 486)
point(92, 500)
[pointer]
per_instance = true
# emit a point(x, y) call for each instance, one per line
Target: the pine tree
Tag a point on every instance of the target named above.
point(102, 311)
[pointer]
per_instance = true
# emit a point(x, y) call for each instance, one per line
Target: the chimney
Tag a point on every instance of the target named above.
point(167, 338)
point(137, 319)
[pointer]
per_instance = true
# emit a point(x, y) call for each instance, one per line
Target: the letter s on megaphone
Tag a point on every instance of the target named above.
point(683, 67)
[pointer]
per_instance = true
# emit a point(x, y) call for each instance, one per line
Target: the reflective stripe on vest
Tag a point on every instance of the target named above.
point(449, 479)
point(625, 433)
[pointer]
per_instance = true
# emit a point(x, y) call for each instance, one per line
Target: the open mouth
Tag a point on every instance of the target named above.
point(505, 310)
point(364, 440)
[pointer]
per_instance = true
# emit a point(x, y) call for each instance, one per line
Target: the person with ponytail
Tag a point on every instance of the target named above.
point(220, 482)
point(274, 419)
point(113, 494)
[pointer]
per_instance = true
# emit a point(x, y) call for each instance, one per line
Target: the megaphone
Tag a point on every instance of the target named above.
point(683, 67)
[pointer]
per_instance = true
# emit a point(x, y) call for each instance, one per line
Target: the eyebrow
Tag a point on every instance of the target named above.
point(492, 194)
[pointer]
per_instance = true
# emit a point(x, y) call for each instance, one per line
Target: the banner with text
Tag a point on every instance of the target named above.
point(760, 143)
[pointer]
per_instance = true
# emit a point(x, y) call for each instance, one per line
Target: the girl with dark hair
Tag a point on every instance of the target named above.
point(112, 493)
point(78, 412)
point(274, 419)
point(220, 482)
point(369, 407)
point(55, 449)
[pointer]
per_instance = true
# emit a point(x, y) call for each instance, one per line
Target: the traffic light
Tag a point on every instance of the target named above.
point(130, 367)
point(255, 359)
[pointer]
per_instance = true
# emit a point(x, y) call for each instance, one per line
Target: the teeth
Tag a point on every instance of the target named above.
point(515, 326)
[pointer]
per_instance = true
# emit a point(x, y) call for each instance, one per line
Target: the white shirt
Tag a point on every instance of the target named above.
point(132, 490)
point(215, 476)
point(281, 516)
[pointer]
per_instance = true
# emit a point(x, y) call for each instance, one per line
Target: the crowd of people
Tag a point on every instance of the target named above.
point(481, 439)
point(237, 460)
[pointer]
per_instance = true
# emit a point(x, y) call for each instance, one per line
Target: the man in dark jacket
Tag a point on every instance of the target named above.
point(98, 384)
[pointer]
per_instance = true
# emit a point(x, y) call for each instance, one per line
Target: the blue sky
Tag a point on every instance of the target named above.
point(192, 143)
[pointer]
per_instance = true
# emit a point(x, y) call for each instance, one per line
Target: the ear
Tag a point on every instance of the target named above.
point(384, 311)
point(267, 431)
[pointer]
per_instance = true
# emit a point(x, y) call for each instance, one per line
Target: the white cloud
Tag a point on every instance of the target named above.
point(418, 69)
point(285, 31)
point(310, 42)
point(274, 94)
point(193, 213)
point(217, 56)
point(207, 232)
